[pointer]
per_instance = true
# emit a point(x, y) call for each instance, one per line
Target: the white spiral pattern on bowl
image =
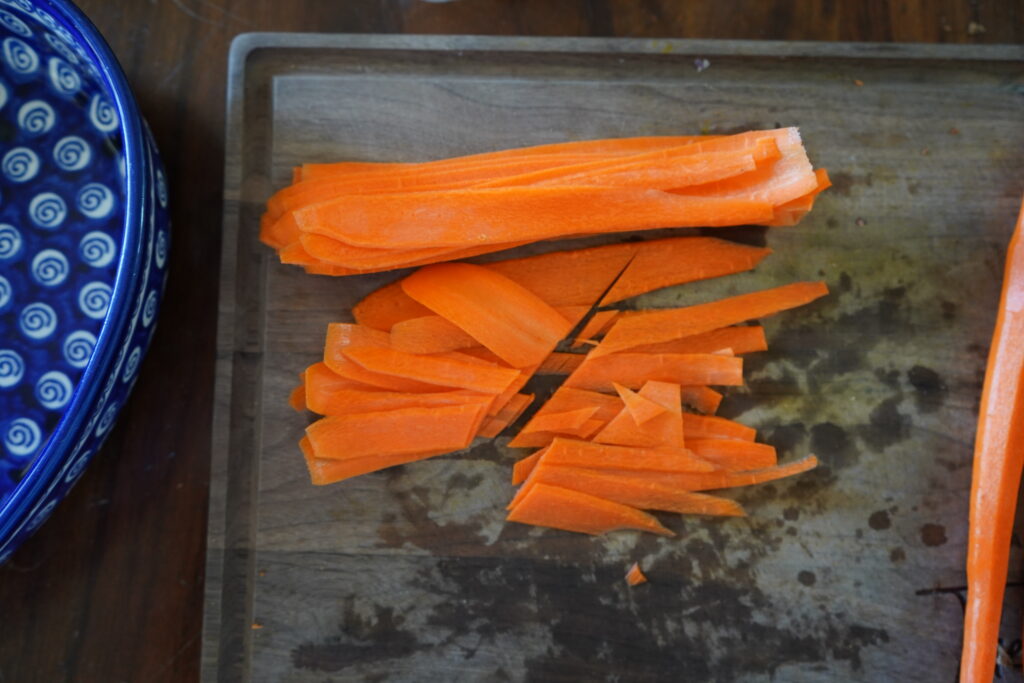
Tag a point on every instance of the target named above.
point(36, 117)
point(149, 310)
point(78, 347)
point(102, 114)
point(12, 368)
point(19, 56)
point(161, 189)
point(20, 165)
point(10, 241)
point(94, 299)
point(6, 293)
point(107, 420)
point(97, 249)
point(53, 390)
point(50, 268)
point(37, 320)
point(41, 515)
point(72, 153)
point(47, 210)
point(22, 437)
point(4, 95)
point(61, 48)
point(132, 364)
point(160, 254)
point(95, 200)
point(14, 24)
point(63, 78)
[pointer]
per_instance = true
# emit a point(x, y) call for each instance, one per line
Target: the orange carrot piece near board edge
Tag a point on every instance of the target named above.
point(635, 577)
point(560, 508)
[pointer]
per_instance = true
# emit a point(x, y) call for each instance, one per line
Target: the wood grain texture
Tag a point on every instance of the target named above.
point(111, 588)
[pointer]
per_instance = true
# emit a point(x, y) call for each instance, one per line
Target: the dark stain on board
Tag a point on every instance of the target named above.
point(930, 389)
point(361, 640)
point(886, 426)
point(933, 535)
point(879, 520)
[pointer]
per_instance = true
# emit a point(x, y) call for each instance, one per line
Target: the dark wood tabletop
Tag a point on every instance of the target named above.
point(111, 588)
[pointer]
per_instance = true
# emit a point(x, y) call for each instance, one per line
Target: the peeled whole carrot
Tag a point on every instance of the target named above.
point(632, 370)
point(502, 315)
point(394, 432)
point(995, 481)
point(652, 327)
point(559, 508)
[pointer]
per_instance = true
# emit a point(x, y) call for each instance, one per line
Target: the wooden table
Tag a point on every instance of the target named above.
point(111, 588)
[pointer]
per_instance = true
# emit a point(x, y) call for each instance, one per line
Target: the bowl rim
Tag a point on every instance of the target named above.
point(38, 480)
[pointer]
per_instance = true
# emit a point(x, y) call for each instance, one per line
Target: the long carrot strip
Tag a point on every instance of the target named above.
point(560, 508)
point(745, 339)
point(392, 432)
point(576, 453)
point(632, 370)
point(502, 315)
point(645, 495)
point(324, 471)
point(733, 454)
point(560, 423)
point(435, 369)
point(706, 427)
point(657, 326)
point(998, 463)
point(455, 217)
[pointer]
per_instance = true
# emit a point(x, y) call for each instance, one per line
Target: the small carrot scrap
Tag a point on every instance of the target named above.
point(560, 423)
point(702, 399)
point(560, 508)
point(634, 577)
point(641, 408)
point(297, 398)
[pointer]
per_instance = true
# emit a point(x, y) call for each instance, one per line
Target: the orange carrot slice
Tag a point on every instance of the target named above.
point(324, 471)
point(651, 327)
point(733, 454)
point(297, 398)
point(384, 307)
point(522, 468)
point(642, 494)
point(345, 401)
point(635, 577)
point(707, 481)
point(559, 363)
point(663, 430)
point(495, 216)
point(596, 326)
point(707, 427)
point(436, 369)
point(575, 453)
point(560, 508)
point(634, 369)
point(510, 412)
point(393, 432)
point(746, 339)
point(503, 316)
point(641, 408)
point(561, 423)
point(702, 399)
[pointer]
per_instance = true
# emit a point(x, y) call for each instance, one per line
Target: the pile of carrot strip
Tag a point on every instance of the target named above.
point(441, 357)
point(350, 218)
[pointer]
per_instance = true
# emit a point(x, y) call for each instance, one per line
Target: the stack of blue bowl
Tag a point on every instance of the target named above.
point(83, 252)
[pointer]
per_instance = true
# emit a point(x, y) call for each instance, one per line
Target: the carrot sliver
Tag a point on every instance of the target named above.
point(324, 471)
point(745, 339)
point(382, 308)
point(632, 370)
point(575, 453)
point(706, 427)
point(346, 401)
point(429, 334)
point(598, 324)
point(559, 363)
point(641, 408)
point(635, 577)
point(560, 423)
point(297, 398)
point(434, 370)
point(651, 327)
point(522, 468)
point(642, 494)
point(560, 508)
point(708, 481)
point(350, 370)
point(509, 413)
point(502, 315)
point(441, 219)
point(702, 399)
point(393, 432)
point(734, 454)
point(661, 430)
point(542, 439)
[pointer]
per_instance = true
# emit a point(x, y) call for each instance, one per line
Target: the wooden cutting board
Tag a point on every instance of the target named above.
point(850, 572)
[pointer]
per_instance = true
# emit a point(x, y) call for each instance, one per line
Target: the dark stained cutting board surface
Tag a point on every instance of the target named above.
point(411, 574)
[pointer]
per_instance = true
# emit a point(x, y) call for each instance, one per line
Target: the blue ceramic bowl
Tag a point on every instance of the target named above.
point(83, 249)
